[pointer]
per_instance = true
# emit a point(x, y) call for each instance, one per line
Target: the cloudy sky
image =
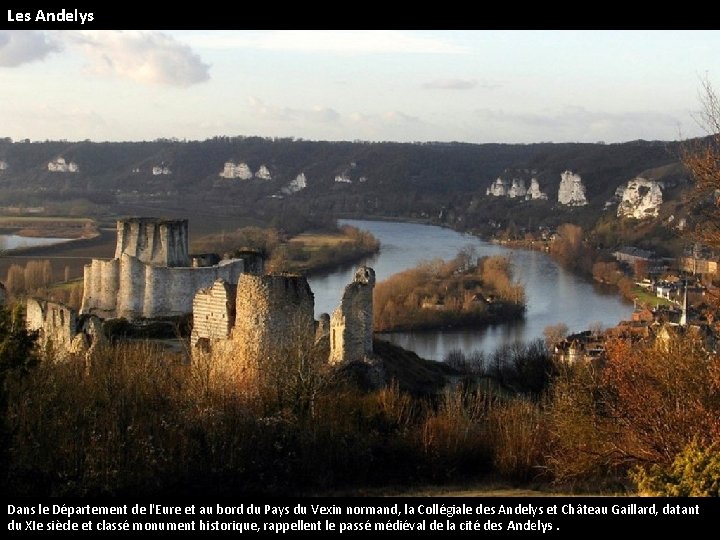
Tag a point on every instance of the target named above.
point(474, 86)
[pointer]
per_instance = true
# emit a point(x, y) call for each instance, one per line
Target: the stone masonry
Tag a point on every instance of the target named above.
point(151, 274)
point(273, 317)
point(351, 324)
point(61, 328)
point(160, 242)
point(213, 313)
point(270, 318)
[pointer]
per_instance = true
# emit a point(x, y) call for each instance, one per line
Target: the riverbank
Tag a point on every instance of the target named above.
point(316, 252)
point(465, 292)
point(49, 227)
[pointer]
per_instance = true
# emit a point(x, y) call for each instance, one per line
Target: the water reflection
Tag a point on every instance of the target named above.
point(12, 241)
point(554, 295)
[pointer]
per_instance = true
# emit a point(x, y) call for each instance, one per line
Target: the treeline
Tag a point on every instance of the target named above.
point(345, 244)
point(355, 244)
point(35, 278)
point(442, 182)
point(464, 291)
point(647, 420)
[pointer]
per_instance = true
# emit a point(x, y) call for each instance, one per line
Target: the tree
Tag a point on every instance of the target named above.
point(17, 357)
point(554, 334)
point(702, 159)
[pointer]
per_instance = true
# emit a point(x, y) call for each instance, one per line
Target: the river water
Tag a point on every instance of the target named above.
point(12, 241)
point(554, 295)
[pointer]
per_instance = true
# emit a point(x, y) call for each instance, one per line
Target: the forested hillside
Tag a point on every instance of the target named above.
point(445, 182)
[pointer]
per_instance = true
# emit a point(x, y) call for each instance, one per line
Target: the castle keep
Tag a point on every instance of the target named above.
point(152, 274)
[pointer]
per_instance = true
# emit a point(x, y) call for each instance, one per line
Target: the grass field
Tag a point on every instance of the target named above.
point(315, 241)
point(649, 299)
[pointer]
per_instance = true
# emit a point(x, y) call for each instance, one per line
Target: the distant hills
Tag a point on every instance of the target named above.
point(439, 181)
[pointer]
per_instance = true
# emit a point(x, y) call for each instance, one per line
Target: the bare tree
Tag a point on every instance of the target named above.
point(702, 159)
point(555, 333)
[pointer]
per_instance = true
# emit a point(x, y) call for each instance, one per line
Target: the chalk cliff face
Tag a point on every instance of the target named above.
point(263, 173)
point(60, 165)
point(298, 184)
point(498, 188)
point(159, 170)
point(241, 171)
point(513, 184)
point(517, 189)
point(534, 193)
point(641, 198)
point(572, 190)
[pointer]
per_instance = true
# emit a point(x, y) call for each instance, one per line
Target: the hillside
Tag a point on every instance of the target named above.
point(293, 182)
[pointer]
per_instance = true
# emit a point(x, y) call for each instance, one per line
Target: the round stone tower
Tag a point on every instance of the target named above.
point(273, 317)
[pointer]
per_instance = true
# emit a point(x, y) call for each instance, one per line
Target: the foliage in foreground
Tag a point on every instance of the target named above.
point(695, 472)
point(136, 420)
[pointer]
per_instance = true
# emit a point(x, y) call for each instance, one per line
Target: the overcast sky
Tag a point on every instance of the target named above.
point(473, 86)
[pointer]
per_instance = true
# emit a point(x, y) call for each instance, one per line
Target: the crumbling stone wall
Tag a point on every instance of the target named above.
point(351, 324)
point(273, 317)
point(213, 312)
point(61, 328)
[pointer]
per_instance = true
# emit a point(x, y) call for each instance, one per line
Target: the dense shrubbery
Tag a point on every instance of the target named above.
point(135, 419)
point(695, 472)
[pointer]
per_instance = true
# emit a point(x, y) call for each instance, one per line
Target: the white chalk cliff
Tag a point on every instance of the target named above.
point(572, 190)
point(641, 198)
point(534, 193)
point(60, 165)
point(517, 189)
point(498, 188)
point(241, 171)
point(298, 184)
point(263, 173)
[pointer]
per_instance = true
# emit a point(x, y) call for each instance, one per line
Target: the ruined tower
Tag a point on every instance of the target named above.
point(273, 317)
point(351, 324)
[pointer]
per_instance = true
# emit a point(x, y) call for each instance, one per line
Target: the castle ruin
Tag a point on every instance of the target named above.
point(351, 324)
point(271, 317)
point(152, 274)
point(61, 328)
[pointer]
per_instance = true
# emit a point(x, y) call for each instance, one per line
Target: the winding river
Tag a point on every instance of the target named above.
point(554, 295)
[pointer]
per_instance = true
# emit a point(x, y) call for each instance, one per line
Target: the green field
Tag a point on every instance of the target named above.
point(649, 299)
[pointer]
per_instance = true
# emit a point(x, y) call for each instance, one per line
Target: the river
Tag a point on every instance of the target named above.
point(12, 241)
point(554, 295)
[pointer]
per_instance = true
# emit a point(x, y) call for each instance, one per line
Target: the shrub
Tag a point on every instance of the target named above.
point(695, 472)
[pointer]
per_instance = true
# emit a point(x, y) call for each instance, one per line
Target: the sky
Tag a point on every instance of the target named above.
point(470, 86)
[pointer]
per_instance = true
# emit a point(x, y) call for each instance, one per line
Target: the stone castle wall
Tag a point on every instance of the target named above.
point(151, 275)
point(351, 324)
point(273, 317)
point(61, 328)
point(213, 312)
point(130, 288)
